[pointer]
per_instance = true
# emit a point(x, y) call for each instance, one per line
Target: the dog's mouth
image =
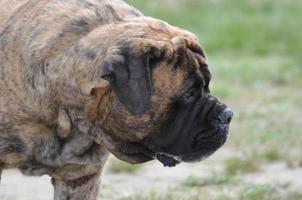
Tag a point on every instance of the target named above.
point(191, 135)
point(194, 132)
point(203, 145)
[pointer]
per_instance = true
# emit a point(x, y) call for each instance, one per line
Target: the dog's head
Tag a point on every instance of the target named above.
point(159, 98)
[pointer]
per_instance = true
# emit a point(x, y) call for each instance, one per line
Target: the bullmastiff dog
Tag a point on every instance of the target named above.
point(80, 79)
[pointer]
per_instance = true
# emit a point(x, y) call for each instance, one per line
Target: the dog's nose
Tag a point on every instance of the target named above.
point(225, 116)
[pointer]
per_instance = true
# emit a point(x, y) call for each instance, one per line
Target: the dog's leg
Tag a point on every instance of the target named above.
point(84, 188)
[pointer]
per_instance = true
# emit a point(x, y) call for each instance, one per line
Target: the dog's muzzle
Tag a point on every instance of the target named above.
point(195, 132)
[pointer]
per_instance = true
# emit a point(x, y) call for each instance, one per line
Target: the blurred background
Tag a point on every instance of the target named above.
point(254, 49)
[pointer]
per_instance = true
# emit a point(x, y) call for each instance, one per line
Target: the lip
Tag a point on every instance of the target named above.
point(205, 134)
point(195, 157)
point(215, 123)
point(206, 138)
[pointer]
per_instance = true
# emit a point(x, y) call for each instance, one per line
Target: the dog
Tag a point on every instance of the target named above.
point(84, 78)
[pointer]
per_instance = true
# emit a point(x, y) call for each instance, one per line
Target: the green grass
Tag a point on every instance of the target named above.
point(171, 196)
point(193, 181)
point(268, 192)
point(250, 192)
point(272, 155)
point(151, 196)
point(234, 166)
point(116, 166)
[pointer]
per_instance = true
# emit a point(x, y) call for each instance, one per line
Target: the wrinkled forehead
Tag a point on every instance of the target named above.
point(190, 59)
point(187, 64)
point(189, 56)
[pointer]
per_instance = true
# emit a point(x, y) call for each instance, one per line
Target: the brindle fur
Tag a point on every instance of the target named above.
point(57, 115)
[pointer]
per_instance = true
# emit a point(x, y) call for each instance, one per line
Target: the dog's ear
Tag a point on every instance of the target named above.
point(127, 69)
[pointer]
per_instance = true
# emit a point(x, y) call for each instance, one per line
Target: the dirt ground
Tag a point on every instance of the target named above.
point(151, 177)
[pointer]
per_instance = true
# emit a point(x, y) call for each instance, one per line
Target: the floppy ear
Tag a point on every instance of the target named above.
point(130, 79)
point(129, 75)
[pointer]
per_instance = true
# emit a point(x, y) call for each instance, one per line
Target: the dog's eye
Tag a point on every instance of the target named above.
point(192, 91)
point(190, 95)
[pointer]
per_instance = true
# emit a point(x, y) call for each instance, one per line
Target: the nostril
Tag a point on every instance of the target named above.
point(225, 116)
